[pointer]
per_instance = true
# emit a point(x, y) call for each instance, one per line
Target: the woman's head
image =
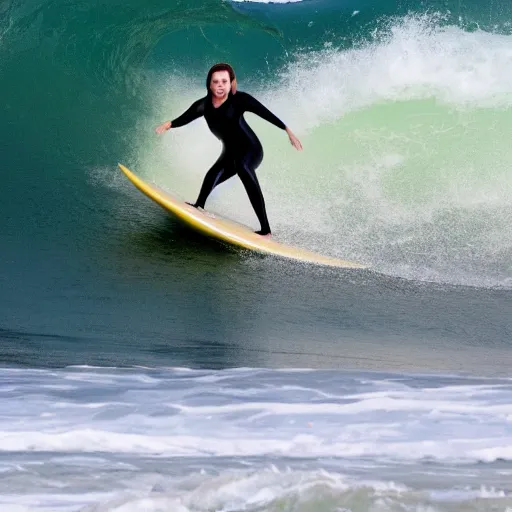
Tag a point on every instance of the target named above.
point(221, 80)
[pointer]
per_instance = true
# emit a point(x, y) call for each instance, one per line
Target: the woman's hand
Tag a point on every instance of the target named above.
point(294, 141)
point(163, 127)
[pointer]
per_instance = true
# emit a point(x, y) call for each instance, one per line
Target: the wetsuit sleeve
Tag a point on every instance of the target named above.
point(194, 111)
point(251, 104)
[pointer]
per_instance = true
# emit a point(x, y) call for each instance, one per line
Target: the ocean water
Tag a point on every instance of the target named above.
point(145, 368)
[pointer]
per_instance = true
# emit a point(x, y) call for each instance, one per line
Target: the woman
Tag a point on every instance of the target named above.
point(223, 108)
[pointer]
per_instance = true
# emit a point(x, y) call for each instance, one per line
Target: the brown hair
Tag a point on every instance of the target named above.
point(221, 66)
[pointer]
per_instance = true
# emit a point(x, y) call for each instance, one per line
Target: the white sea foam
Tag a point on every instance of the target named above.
point(158, 439)
point(217, 414)
point(414, 59)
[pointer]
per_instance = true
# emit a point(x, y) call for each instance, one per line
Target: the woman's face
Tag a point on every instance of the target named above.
point(220, 84)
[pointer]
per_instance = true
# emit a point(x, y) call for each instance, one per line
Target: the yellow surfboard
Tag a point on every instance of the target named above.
point(233, 233)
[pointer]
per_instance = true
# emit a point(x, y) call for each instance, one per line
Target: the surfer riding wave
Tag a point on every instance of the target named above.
point(223, 108)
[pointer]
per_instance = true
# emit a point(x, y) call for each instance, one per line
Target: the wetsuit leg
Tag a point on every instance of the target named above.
point(220, 171)
point(246, 169)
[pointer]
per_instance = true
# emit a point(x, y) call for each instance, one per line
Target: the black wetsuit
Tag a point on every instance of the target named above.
point(242, 152)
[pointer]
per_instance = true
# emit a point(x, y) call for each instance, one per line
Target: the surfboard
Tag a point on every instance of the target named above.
point(229, 231)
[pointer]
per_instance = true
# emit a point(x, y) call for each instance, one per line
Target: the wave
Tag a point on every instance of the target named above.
point(404, 118)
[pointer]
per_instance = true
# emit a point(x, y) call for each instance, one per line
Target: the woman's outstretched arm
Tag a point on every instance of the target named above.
point(193, 112)
point(251, 104)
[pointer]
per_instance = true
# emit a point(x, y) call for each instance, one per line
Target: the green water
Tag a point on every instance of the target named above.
point(405, 118)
